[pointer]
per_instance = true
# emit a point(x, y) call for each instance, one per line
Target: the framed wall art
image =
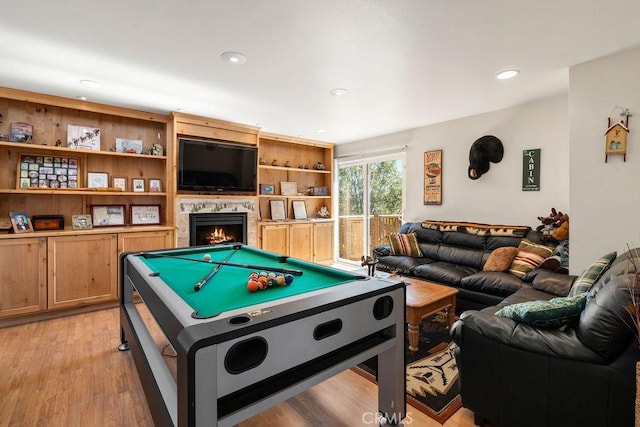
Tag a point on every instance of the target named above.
point(47, 172)
point(97, 180)
point(120, 183)
point(108, 215)
point(137, 185)
point(83, 137)
point(20, 222)
point(433, 177)
point(278, 210)
point(299, 209)
point(81, 222)
point(288, 188)
point(124, 145)
point(144, 214)
point(154, 185)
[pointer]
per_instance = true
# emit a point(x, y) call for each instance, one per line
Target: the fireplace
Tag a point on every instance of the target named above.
point(217, 228)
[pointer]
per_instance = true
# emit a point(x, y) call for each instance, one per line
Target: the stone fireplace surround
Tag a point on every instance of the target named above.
point(188, 205)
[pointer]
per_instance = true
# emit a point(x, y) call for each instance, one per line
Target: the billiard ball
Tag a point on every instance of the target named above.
point(272, 282)
point(280, 280)
point(271, 275)
point(207, 257)
point(253, 286)
point(263, 282)
point(288, 278)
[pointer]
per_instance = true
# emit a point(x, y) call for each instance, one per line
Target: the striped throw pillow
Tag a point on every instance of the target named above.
point(530, 255)
point(592, 274)
point(404, 244)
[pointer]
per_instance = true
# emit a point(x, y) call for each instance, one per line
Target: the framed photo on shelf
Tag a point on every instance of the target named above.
point(288, 188)
point(144, 214)
point(137, 185)
point(81, 222)
point(47, 172)
point(83, 137)
point(267, 189)
point(120, 182)
point(108, 215)
point(278, 210)
point(124, 145)
point(154, 185)
point(20, 222)
point(299, 209)
point(97, 180)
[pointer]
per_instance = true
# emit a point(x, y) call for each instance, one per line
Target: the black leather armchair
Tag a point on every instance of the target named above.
point(516, 375)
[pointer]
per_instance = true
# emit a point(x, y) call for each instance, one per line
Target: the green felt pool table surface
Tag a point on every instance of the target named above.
point(227, 290)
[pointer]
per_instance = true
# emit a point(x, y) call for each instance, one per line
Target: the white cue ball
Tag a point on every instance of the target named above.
point(207, 257)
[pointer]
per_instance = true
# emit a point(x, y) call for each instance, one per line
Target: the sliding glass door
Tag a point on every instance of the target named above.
point(370, 204)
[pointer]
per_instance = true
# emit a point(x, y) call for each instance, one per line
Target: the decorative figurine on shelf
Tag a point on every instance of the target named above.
point(157, 150)
point(323, 212)
point(303, 167)
point(318, 166)
point(371, 265)
point(262, 161)
point(287, 164)
point(275, 163)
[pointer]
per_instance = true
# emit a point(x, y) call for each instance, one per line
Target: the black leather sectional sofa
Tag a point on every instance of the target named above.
point(456, 258)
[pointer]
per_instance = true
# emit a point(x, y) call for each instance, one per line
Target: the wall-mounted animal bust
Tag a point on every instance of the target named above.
point(485, 149)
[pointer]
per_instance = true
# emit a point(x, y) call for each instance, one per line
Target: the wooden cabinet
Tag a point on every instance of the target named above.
point(275, 238)
point(144, 241)
point(82, 269)
point(23, 276)
point(323, 242)
point(301, 240)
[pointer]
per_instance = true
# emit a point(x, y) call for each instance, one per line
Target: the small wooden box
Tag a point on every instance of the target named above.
point(47, 222)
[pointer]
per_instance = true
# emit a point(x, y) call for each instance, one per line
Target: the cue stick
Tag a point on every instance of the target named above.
point(213, 272)
point(231, 264)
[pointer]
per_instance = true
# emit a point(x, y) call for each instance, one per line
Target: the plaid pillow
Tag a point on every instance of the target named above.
point(530, 255)
point(592, 274)
point(404, 244)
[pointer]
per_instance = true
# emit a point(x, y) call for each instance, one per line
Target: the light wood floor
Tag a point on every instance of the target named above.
point(68, 372)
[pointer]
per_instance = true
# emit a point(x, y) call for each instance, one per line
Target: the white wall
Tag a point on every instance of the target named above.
point(605, 197)
point(496, 197)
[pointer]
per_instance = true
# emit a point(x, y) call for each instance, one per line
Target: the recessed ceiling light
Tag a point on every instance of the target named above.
point(321, 130)
point(82, 98)
point(507, 74)
point(90, 83)
point(234, 57)
point(338, 91)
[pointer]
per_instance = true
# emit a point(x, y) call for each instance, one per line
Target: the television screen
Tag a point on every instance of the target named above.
point(216, 166)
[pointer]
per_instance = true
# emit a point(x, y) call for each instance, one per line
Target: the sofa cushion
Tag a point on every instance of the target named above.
point(589, 276)
point(530, 255)
point(404, 244)
point(492, 282)
point(500, 259)
point(443, 272)
point(400, 264)
point(555, 313)
point(549, 281)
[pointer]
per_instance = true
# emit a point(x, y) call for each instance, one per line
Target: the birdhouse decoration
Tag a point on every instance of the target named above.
point(616, 138)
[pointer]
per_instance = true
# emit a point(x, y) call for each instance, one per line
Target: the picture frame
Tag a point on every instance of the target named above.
point(433, 177)
point(278, 210)
point(124, 145)
point(46, 172)
point(83, 137)
point(155, 185)
point(288, 188)
point(119, 182)
point(137, 185)
point(268, 189)
point(81, 222)
point(299, 209)
point(97, 180)
point(108, 215)
point(20, 222)
point(144, 214)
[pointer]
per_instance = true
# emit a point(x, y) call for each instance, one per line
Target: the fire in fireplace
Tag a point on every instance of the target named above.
point(217, 228)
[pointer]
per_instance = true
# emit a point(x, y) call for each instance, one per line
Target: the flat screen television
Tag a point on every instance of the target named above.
point(216, 166)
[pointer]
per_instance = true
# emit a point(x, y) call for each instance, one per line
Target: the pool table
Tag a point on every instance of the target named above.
point(241, 352)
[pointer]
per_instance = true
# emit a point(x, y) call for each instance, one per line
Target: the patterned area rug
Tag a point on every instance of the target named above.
point(431, 372)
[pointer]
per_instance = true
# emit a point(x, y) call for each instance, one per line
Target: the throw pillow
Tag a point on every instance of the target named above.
point(530, 255)
point(500, 259)
point(591, 275)
point(404, 244)
point(554, 313)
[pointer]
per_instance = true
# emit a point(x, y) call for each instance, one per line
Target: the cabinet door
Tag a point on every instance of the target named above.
point(23, 276)
point(323, 242)
point(144, 241)
point(82, 269)
point(300, 239)
point(275, 238)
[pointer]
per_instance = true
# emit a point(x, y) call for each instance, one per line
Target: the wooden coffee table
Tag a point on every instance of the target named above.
point(424, 299)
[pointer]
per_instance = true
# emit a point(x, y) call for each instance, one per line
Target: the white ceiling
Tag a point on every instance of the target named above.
point(406, 63)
